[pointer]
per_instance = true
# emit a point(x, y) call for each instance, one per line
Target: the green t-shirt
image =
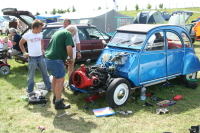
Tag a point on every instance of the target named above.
point(57, 45)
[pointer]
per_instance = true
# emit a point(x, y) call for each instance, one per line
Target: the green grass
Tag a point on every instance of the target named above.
point(17, 116)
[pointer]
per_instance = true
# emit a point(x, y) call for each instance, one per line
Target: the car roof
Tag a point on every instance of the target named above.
point(142, 28)
point(60, 24)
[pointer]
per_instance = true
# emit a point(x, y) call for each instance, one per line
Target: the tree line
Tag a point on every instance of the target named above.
point(60, 11)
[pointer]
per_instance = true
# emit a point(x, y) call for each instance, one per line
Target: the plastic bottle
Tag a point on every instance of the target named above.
point(143, 93)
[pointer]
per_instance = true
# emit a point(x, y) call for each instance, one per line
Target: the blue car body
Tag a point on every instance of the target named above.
point(137, 56)
point(142, 67)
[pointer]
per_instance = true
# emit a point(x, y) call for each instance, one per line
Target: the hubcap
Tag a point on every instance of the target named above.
point(121, 94)
point(191, 76)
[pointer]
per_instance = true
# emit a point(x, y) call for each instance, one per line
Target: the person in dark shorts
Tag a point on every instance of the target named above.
point(59, 48)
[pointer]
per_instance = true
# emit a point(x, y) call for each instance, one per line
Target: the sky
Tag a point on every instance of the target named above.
point(89, 5)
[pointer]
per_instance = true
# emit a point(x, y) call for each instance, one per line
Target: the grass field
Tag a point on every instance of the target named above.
point(17, 116)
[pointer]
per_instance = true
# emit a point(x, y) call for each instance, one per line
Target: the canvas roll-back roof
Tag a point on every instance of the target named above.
point(142, 28)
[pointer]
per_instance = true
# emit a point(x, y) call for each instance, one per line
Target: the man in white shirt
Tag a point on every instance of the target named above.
point(35, 55)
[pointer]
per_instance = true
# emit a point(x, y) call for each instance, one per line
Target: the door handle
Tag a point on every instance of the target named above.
point(94, 43)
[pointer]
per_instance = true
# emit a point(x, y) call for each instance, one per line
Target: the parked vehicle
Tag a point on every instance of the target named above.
point(138, 55)
point(90, 36)
point(165, 15)
point(180, 18)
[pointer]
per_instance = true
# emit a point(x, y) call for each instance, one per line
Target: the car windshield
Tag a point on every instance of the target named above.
point(128, 39)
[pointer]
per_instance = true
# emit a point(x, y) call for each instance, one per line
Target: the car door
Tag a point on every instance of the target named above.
point(86, 46)
point(175, 52)
point(96, 38)
point(153, 59)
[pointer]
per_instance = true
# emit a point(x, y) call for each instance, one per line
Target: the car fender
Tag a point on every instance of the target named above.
point(191, 64)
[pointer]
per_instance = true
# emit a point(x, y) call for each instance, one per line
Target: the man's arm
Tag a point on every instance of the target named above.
point(21, 45)
point(78, 49)
point(42, 46)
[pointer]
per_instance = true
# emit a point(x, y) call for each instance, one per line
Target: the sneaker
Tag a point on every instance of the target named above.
point(54, 99)
point(61, 105)
point(28, 90)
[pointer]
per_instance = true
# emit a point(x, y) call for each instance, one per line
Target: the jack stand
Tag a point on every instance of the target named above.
point(167, 83)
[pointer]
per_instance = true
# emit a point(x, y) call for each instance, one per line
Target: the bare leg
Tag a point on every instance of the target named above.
point(53, 85)
point(59, 87)
point(71, 68)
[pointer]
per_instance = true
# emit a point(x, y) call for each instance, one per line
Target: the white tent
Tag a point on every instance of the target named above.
point(107, 21)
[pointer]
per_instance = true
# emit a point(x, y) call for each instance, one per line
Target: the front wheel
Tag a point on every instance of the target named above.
point(118, 92)
point(4, 70)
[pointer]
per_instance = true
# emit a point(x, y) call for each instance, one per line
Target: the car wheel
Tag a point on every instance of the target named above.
point(4, 70)
point(185, 78)
point(118, 92)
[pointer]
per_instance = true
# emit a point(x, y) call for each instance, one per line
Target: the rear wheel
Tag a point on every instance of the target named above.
point(118, 92)
point(4, 70)
point(185, 78)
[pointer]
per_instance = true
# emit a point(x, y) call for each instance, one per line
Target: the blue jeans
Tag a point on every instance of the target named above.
point(56, 68)
point(33, 62)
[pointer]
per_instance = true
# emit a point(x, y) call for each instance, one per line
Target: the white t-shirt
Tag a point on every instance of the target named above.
point(34, 43)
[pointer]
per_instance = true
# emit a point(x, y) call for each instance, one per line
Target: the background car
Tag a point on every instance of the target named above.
point(165, 15)
point(90, 37)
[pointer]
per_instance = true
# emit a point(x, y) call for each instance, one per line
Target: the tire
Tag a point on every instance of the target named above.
point(185, 78)
point(118, 92)
point(192, 84)
point(4, 70)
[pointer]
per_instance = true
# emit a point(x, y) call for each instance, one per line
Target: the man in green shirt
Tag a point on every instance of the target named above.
point(59, 48)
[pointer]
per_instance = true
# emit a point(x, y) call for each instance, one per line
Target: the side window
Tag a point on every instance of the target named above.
point(94, 33)
point(173, 41)
point(186, 40)
point(155, 42)
point(48, 32)
point(81, 34)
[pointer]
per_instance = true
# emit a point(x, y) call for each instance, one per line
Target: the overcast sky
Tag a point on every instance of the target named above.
point(81, 5)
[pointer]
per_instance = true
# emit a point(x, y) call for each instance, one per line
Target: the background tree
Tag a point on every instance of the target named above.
point(161, 6)
point(136, 7)
point(126, 8)
point(149, 6)
point(73, 9)
point(68, 10)
point(37, 13)
point(99, 8)
point(54, 11)
point(60, 11)
point(45, 12)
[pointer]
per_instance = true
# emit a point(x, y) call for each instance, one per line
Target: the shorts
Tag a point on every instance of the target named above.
point(13, 52)
point(56, 67)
